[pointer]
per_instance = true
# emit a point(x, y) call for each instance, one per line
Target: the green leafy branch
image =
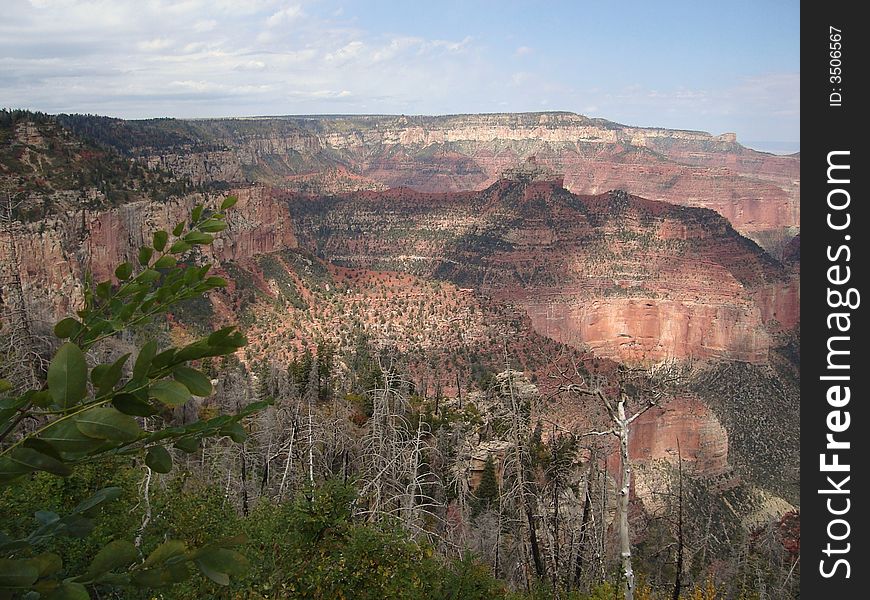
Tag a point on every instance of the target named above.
point(86, 414)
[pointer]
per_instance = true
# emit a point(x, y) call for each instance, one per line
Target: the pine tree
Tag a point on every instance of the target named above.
point(486, 494)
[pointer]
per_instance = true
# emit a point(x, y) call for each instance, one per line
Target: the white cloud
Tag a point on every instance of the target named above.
point(203, 26)
point(220, 57)
point(194, 47)
point(451, 46)
point(155, 44)
point(346, 52)
point(285, 15)
point(140, 58)
point(251, 65)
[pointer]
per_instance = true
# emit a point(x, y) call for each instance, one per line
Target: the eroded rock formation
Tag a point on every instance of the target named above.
point(632, 279)
point(758, 192)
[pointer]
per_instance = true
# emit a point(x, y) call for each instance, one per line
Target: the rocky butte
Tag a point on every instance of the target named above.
point(630, 278)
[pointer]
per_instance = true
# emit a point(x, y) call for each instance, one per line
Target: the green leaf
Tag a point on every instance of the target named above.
point(47, 563)
point(219, 563)
point(196, 213)
point(159, 460)
point(188, 445)
point(98, 372)
point(178, 229)
point(114, 555)
point(67, 439)
point(46, 517)
point(124, 271)
point(216, 282)
point(42, 398)
point(11, 406)
point(68, 376)
point(111, 376)
point(104, 290)
point(197, 237)
point(10, 470)
point(175, 572)
point(77, 526)
point(33, 460)
point(67, 328)
point(254, 407)
point(143, 361)
point(160, 239)
point(148, 276)
point(219, 421)
point(17, 573)
point(131, 405)
point(41, 445)
point(179, 247)
point(165, 262)
point(169, 392)
point(114, 579)
point(69, 590)
point(97, 498)
point(235, 432)
point(164, 552)
point(145, 254)
point(229, 202)
point(218, 337)
point(108, 424)
point(213, 226)
point(216, 576)
point(193, 380)
point(169, 574)
point(127, 311)
point(164, 358)
point(194, 351)
point(191, 275)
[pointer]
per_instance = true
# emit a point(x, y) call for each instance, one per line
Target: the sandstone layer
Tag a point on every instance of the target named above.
point(55, 254)
point(758, 192)
point(630, 278)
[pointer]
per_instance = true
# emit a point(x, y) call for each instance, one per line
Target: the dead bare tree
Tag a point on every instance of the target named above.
point(519, 436)
point(678, 577)
point(23, 362)
point(394, 472)
point(643, 388)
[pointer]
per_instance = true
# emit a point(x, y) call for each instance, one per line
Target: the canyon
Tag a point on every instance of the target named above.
point(444, 236)
point(758, 192)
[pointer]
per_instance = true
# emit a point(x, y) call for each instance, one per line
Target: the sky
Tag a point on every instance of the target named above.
point(712, 66)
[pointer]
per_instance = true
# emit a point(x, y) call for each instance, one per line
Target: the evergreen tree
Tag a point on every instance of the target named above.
point(486, 494)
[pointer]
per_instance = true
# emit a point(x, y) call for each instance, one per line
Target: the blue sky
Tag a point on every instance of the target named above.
point(691, 65)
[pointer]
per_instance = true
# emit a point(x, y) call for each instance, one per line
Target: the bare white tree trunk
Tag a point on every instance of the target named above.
point(621, 428)
point(22, 362)
point(288, 464)
point(310, 445)
point(146, 498)
point(622, 503)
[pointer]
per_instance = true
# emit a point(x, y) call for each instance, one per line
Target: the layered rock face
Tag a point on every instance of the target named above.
point(703, 441)
point(632, 279)
point(758, 192)
point(629, 278)
point(55, 254)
